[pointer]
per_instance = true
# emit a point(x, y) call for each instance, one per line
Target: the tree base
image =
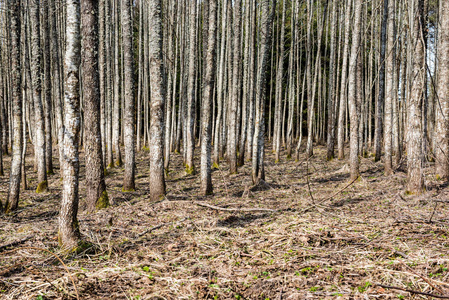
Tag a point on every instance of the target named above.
point(42, 187)
point(103, 201)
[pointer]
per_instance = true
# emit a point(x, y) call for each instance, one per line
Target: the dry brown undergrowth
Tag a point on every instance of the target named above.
point(368, 233)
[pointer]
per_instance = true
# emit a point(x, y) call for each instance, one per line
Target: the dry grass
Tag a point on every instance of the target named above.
point(370, 232)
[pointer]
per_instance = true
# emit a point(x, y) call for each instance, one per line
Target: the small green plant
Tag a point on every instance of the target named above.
point(401, 297)
point(364, 287)
point(146, 268)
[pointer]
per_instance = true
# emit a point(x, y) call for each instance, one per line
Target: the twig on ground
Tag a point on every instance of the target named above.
point(58, 258)
point(235, 209)
point(423, 278)
point(411, 291)
point(330, 197)
point(3, 247)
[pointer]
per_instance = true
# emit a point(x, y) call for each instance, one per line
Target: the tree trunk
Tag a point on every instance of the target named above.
point(96, 195)
point(233, 133)
point(258, 172)
point(37, 98)
point(47, 89)
point(190, 137)
point(69, 233)
point(442, 110)
point(128, 116)
point(415, 177)
point(158, 95)
point(390, 89)
point(16, 79)
point(352, 92)
point(206, 180)
point(343, 89)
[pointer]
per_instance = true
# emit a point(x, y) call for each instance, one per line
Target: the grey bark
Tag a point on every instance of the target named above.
point(158, 95)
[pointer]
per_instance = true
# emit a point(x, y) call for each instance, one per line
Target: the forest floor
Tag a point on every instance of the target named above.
point(326, 238)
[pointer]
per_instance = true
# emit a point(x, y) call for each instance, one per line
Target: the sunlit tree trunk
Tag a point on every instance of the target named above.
point(158, 95)
point(415, 176)
point(442, 111)
point(190, 134)
point(16, 78)
point(352, 92)
point(266, 26)
point(39, 121)
point(128, 116)
point(69, 233)
point(96, 195)
point(206, 179)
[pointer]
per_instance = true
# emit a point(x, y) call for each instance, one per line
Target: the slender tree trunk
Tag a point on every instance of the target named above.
point(442, 111)
point(190, 138)
point(330, 108)
point(206, 179)
point(220, 83)
point(233, 133)
point(47, 89)
point(352, 92)
point(16, 78)
point(415, 177)
point(158, 95)
point(117, 84)
point(39, 123)
point(279, 89)
point(69, 233)
point(343, 89)
point(258, 172)
point(128, 116)
point(381, 97)
point(96, 195)
point(390, 89)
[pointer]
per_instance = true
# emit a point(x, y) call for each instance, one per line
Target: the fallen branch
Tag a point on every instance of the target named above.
point(3, 247)
point(411, 291)
point(330, 197)
point(235, 209)
point(422, 277)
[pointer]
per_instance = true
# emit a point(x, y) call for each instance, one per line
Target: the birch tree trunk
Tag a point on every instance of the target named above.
point(96, 195)
point(128, 117)
point(12, 201)
point(158, 96)
point(69, 234)
point(36, 72)
point(442, 110)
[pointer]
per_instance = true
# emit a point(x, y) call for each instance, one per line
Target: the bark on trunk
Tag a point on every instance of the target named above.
point(96, 195)
point(158, 95)
point(39, 124)
point(128, 116)
point(69, 233)
point(16, 79)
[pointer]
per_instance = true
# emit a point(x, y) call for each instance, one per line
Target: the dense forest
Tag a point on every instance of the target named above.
point(224, 149)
